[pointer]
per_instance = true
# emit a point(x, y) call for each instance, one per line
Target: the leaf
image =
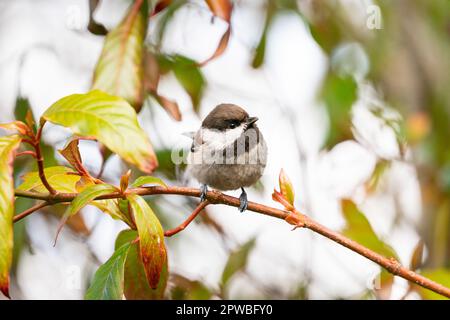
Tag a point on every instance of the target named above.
point(72, 154)
point(151, 82)
point(112, 207)
point(136, 284)
point(84, 198)
point(8, 146)
point(170, 106)
point(339, 94)
point(380, 169)
point(187, 73)
point(93, 26)
point(18, 126)
point(58, 177)
point(187, 289)
point(151, 235)
point(417, 256)
point(147, 180)
point(237, 261)
point(108, 283)
point(359, 229)
point(260, 49)
point(111, 120)
point(221, 9)
point(124, 180)
point(441, 276)
point(119, 70)
point(286, 188)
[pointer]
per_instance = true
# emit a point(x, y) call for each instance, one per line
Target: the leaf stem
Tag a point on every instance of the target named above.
point(40, 160)
point(27, 152)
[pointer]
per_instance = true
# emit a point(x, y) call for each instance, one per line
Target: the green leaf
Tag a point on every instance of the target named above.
point(186, 289)
point(147, 180)
point(260, 50)
point(286, 188)
point(8, 146)
point(108, 281)
point(237, 261)
point(119, 70)
point(151, 235)
point(441, 276)
point(84, 198)
point(109, 119)
point(359, 229)
point(136, 284)
point(339, 94)
point(57, 176)
point(187, 73)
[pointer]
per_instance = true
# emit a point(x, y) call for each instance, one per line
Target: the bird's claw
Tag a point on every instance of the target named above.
point(243, 202)
point(204, 189)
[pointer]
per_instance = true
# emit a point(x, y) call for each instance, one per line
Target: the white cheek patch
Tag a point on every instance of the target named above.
point(216, 139)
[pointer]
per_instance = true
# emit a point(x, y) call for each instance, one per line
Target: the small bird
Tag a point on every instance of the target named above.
point(228, 152)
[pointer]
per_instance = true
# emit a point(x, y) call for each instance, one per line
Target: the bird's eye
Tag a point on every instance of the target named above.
point(233, 125)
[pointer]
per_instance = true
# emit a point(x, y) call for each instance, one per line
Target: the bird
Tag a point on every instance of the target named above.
point(228, 152)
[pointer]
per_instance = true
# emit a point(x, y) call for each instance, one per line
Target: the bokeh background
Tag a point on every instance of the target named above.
point(353, 100)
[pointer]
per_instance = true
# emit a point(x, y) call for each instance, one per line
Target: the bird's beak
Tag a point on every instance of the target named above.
point(251, 120)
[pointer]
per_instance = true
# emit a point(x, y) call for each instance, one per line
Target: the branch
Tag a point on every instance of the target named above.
point(29, 211)
point(40, 160)
point(183, 226)
point(298, 220)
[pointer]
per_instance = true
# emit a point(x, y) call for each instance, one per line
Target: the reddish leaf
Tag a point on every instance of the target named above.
point(124, 181)
point(72, 154)
point(170, 106)
point(136, 284)
point(151, 239)
point(221, 9)
point(416, 259)
point(152, 74)
point(94, 27)
point(161, 5)
point(18, 126)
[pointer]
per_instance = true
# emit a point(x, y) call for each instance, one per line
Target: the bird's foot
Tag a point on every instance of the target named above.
point(204, 189)
point(243, 201)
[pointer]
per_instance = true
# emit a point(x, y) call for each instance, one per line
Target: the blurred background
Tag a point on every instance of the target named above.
point(353, 100)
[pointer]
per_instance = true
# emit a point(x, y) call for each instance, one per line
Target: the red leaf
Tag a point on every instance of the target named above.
point(221, 9)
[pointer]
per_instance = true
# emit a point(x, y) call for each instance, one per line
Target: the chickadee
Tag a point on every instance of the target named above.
point(228, 152)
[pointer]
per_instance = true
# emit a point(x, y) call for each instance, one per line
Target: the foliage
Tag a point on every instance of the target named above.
point(128, 71)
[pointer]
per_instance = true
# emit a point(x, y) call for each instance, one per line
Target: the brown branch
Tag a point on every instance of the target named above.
point(27, 152)
point(40, 160)
point(29, 211)
point(183, 226)
point(296, 219)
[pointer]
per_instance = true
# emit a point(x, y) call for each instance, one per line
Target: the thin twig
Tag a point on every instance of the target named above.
point(185, 223)
point(27, 152)
point(298, 220)
point(29, 211)
point(40, 161)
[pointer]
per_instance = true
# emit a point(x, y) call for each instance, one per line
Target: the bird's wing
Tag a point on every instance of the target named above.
point(189, 134)
point(197, 141)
